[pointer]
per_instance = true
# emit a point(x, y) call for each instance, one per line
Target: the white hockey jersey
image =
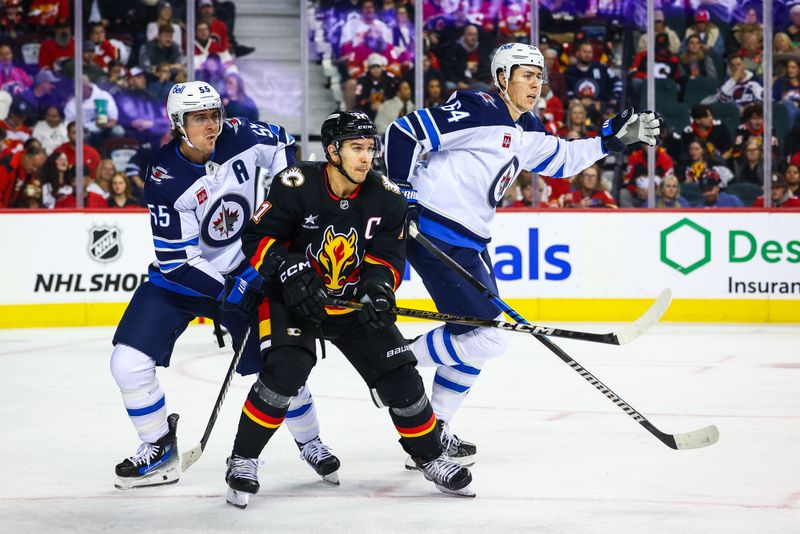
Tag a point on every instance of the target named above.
point(475, 152)
point(198, 212)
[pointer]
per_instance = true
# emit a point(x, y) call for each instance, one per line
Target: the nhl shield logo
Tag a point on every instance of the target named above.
point(105, 243)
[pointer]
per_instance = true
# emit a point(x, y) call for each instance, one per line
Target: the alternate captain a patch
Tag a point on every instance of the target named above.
point(225, 219)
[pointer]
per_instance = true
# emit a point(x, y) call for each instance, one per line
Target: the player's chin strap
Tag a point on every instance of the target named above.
point(504, 94)
point(185, 136)
point(340, 166)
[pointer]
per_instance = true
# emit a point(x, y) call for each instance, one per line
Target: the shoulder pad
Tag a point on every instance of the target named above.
point(292, 177)
point(389, 185)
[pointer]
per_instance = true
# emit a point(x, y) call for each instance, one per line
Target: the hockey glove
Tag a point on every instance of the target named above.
point(241, 295)
point(378, 301)
point(630, 127)
point(303, 288)
point(408, 191)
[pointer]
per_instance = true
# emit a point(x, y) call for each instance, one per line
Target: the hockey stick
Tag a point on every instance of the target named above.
point(625, 335)
point(689, 440)
point(192, 455)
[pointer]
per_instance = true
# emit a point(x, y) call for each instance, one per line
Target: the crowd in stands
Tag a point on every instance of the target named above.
point(133, 52)
point(709, 86)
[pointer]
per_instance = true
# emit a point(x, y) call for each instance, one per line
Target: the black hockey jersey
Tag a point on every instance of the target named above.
point(346, 239)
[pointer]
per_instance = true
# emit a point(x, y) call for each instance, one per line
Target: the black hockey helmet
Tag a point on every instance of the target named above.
point(344, 125)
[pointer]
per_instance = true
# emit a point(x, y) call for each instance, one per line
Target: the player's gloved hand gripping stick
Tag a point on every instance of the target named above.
point(630, 127)
point(689, 440)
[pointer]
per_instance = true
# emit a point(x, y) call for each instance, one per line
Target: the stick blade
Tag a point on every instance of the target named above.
point(650, 317)
point(698, 439)
point(191, 456)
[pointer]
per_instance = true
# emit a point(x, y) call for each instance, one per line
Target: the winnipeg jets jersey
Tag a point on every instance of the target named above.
point(475, 152)
point(198, 212)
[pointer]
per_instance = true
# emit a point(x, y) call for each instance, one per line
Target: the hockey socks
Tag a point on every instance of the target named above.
point(142, 395)
point(301, 419)
point(416, 425)
point(262, 414)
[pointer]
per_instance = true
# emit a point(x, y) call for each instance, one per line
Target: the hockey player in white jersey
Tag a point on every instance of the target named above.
point(476, 145)
point(200, 191)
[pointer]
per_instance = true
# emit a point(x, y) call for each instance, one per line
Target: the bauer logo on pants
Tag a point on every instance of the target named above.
point(105, 243)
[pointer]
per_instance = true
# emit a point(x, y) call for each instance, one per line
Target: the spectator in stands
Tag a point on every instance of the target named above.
point(708, 32)
point(782, 197)
point(693, 164)
point(102, 178)
point(667, 66)
point(104, 52)
point(749, 168)
point(16, 132)
point(357, 27)
point(398, 106)
point(783, 51)
point(466, 63)
point(90, 67)
point(100, 111)
point(160, 87)
point(556, 79)
point(142, 116)
point(162, 49)
point(43, 14)
point(787, 89)
point(712, 196)
point(13, 79)
point(136, 168)
point(661, 27)
point(12, 25)
point(51, 131)
point(56, 174)
point(165, 17)
point(792, 177)
point(91, 198)
point(743, 87)
point(668, 194)
point(433, 93)
point(91, 158)
point(635, 185)
point(577, 121)
point(695, 62)
point(524, 197)
point(17, 171)
point(751, 51)
point(587, 72)
point(236, 101)
point(213, 73)
point(712, 135)
point(204, 46)
point(58, 48)
point(121, 195)
point(43, 94)
point(375, 87)
point(752, 127)
point(793, 30)
point(373, 44)
point(589, 191)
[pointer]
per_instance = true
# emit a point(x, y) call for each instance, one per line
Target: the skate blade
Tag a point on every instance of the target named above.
point(332, 478)
point(410, 464)
point(466, 491)
point(171, 475)
point(464, 461)
point(239, 499)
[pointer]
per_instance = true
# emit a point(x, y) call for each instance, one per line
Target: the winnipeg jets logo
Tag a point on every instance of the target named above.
point(224, 220)
point(310, 222)
point(503, 181)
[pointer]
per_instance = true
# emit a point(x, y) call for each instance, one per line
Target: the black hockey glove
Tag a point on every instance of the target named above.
point(408, 191)
point(378, 301)
point(303, 288)
point(630, 127)
point(242, 294)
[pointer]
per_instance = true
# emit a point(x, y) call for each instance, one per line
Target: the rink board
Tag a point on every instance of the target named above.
point(80, 268)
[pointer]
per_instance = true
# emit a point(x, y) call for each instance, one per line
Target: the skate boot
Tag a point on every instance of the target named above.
point(154, 464)
point(321, 460)
point(447, 475)
point(460, 451)
point(242, 479)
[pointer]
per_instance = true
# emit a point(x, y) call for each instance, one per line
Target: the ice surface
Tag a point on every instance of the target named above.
point(555, 456)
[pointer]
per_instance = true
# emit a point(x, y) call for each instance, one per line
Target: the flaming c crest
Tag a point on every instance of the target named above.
point(337, 255)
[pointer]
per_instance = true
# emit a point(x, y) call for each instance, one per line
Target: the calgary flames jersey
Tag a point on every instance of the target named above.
point(345, 239)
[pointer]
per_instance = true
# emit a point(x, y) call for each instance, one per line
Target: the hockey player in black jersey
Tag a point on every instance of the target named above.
point(335, 229)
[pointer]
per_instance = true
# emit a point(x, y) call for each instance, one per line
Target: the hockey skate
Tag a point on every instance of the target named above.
point(460, 451)
point(242, 479)
point(154, 464)
point(447, 475)
point(321, 460)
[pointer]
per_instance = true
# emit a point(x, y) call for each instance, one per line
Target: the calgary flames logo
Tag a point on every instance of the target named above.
point(337, 255)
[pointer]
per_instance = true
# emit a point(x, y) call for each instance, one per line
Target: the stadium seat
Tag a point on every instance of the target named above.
point(746, 192)
point(728, 114)
point(675, 114)
point(781, 121)
point(666, 91)
point(691, 192)
point(698, 89)
point(719, 65)
point(677, 23)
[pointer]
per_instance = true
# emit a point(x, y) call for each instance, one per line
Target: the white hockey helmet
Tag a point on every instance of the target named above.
point(511, 54)
point(191, 96)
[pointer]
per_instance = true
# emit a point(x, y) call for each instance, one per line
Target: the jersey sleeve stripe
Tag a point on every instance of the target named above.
point(263, 246)
point(413, 121)
point(560, 172)
point(427, 121)
point(174, 244)
point(170, 255)
point(543, 165)
point(377, 261)
point(167, 267)
point(402, 122)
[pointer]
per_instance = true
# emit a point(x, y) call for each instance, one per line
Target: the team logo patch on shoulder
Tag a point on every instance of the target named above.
point(292, 177)
point(202, 196)
point(390, 185)
point(158, 174)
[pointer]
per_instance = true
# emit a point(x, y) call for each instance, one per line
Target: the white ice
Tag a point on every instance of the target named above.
point(555, 456)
